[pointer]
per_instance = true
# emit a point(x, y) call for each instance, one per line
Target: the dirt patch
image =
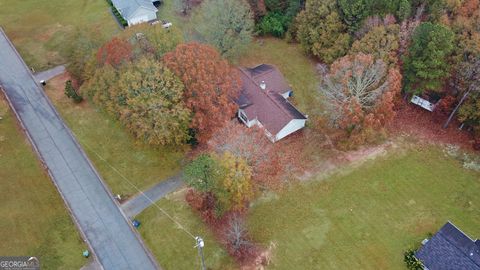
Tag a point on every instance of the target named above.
point(344, 162)
point(47, 33)
point(57, 87)
point(410, 122)
point(56, 90)
point(263, 259)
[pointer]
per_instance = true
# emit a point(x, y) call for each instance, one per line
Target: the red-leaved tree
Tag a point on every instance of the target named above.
point(115, 52)
point(211, 85)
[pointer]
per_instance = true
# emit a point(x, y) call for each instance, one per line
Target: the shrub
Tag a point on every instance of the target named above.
point(200, 173)
point(237, 241)
point(226, 177)
point(204, 203)
point(274, 24)
point(411, 261)
point(71, 93)
point(444, 107)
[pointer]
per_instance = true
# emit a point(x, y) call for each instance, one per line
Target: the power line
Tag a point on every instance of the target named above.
point(141, 192)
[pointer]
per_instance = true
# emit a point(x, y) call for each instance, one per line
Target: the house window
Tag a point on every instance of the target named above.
point(243, 117)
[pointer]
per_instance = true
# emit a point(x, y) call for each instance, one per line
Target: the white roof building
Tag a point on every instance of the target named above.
point(136, 11)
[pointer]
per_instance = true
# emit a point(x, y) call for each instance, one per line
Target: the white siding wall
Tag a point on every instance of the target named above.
point(291, 127)
point(248, 122)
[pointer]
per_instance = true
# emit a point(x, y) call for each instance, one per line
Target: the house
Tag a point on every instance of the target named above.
point(264, 102)
point(450, 248)
point(136, 11)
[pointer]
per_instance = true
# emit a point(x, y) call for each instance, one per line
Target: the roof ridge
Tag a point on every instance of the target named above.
point(270, 97)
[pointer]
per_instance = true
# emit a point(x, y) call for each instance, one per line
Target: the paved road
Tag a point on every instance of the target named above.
point(102, 224)
point(137, 204)
point(48, 74)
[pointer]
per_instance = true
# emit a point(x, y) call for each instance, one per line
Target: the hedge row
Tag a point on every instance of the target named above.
point(117, 14)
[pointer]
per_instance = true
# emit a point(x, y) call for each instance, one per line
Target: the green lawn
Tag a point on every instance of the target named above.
point(34, 219)
point(366, 219)
point(39, 28)
point(169, 11)
point(172, 247)
point(141, 164)
point(298, 69)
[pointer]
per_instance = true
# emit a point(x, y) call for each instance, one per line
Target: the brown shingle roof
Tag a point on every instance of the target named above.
point(271, 75)
point(268, 106)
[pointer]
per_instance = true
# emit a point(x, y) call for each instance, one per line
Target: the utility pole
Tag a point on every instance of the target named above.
point(456, 108)
point(200, 244)
point(471, 76)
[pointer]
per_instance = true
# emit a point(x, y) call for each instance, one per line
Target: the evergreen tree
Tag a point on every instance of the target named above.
point(71, 93)
point(426, 64)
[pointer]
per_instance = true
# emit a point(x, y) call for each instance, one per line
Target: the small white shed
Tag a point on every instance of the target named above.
point(427, 105)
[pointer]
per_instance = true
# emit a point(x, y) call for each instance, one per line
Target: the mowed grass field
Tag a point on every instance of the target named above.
point(368, 218)
point(174, 248)
point(142, 165)
point(298, 69)
point(39, 29)
point(34, 221)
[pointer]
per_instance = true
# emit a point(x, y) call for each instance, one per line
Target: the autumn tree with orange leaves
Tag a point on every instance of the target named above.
point(115, 52)
point(359, 94)
point(211, 85)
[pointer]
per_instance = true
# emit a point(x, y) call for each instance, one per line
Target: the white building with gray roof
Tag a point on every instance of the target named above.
point(136, 11)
